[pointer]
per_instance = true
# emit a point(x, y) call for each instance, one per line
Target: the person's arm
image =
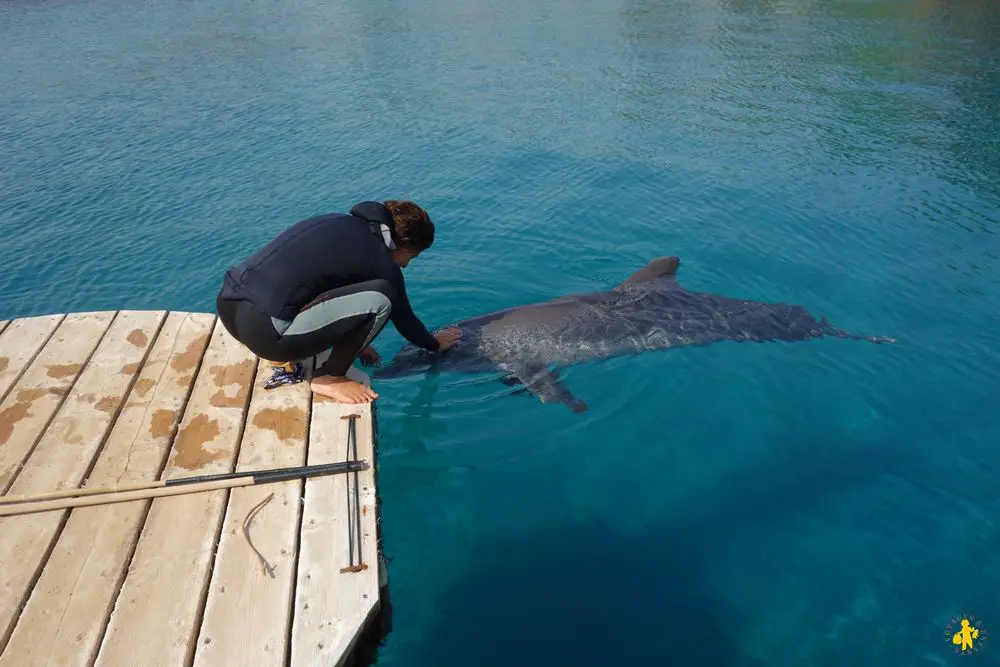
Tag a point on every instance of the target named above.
point(403, 317)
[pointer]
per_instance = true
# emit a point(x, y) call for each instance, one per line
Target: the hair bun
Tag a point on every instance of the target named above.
point(412, 226)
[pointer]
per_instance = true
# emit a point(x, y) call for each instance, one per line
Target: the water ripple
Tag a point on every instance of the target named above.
point(842, 156)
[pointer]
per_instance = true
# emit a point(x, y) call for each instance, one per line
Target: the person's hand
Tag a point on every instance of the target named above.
point(369, 357)
point(448, 337)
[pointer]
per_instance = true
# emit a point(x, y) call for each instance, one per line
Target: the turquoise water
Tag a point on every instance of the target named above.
point(821, 503)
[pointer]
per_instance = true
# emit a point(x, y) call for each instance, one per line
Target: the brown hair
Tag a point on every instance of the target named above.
point(414, 229)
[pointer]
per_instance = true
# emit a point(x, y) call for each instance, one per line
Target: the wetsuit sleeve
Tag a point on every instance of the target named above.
point(403, 317)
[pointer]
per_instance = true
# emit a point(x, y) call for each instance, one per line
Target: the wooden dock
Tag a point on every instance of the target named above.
point(111, 398)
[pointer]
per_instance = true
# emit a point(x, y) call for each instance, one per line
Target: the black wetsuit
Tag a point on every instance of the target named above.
point(325, 282)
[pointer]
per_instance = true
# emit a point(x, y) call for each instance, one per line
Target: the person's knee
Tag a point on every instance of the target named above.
point(383, 306)
point(383, 296)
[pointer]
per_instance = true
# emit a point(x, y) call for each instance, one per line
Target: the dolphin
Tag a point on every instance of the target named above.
point(648, 311)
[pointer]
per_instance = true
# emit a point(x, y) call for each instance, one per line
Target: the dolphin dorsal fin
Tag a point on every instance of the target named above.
point(664, 267)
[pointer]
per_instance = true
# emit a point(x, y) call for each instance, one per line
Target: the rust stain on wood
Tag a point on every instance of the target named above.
point(138, 338)
point(143, 386)
point(188, 359)
point(129, 369)
point(238, 373)
point(62, 371)
point(229, 374)
point(287, 423)
point(72, 437)
point(108, 404)
point(162, 423)
point(220, 400)
point(15, 413)
point(29, 395)
point(10, 417)
point(4, 363)
point(355, 568)
point(190, 447)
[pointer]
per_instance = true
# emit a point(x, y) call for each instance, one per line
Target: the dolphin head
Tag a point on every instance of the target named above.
point(409, 360)
point(464, 356)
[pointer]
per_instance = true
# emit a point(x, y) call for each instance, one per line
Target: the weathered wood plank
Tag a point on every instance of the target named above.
point(332, 605)
point(26, 412)
point(65, 617)
point(19, 344)
point(65, 452)
point(247, 612)
point(156, 617)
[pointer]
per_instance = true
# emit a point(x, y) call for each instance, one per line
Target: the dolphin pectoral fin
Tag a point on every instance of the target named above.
point(511, 380)
point(545, 385)
point(664, 267)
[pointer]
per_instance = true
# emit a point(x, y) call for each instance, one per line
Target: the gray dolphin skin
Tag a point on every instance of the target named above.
point(649, 311)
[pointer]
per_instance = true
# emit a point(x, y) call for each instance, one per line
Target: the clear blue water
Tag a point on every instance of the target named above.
point(821, 503)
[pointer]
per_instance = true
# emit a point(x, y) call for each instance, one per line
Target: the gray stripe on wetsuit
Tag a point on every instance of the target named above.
point(340, 307)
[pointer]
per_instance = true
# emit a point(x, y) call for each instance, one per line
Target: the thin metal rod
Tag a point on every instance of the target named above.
point(177, 486)
point(357, 497)
point(347, 489)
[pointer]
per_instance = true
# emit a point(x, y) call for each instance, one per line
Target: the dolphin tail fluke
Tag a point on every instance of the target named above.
point(829, 330)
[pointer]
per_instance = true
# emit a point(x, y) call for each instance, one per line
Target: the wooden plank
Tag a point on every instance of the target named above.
point(65, 452)
point(3, 325)
point(26, 412)
point(331, 605)
point(248, 613)
point(19, 344)
point(65, 617)
point(156, 618)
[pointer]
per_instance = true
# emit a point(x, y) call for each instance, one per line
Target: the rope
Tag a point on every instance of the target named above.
point(267, 567)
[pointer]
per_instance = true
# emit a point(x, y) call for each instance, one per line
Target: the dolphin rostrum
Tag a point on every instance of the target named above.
point(649, 311)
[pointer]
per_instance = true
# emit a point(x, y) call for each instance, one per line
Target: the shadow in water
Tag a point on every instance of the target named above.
point(589, 593)
point(418, 423)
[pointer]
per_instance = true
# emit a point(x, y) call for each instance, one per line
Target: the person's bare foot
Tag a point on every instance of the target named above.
point(342, 389)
